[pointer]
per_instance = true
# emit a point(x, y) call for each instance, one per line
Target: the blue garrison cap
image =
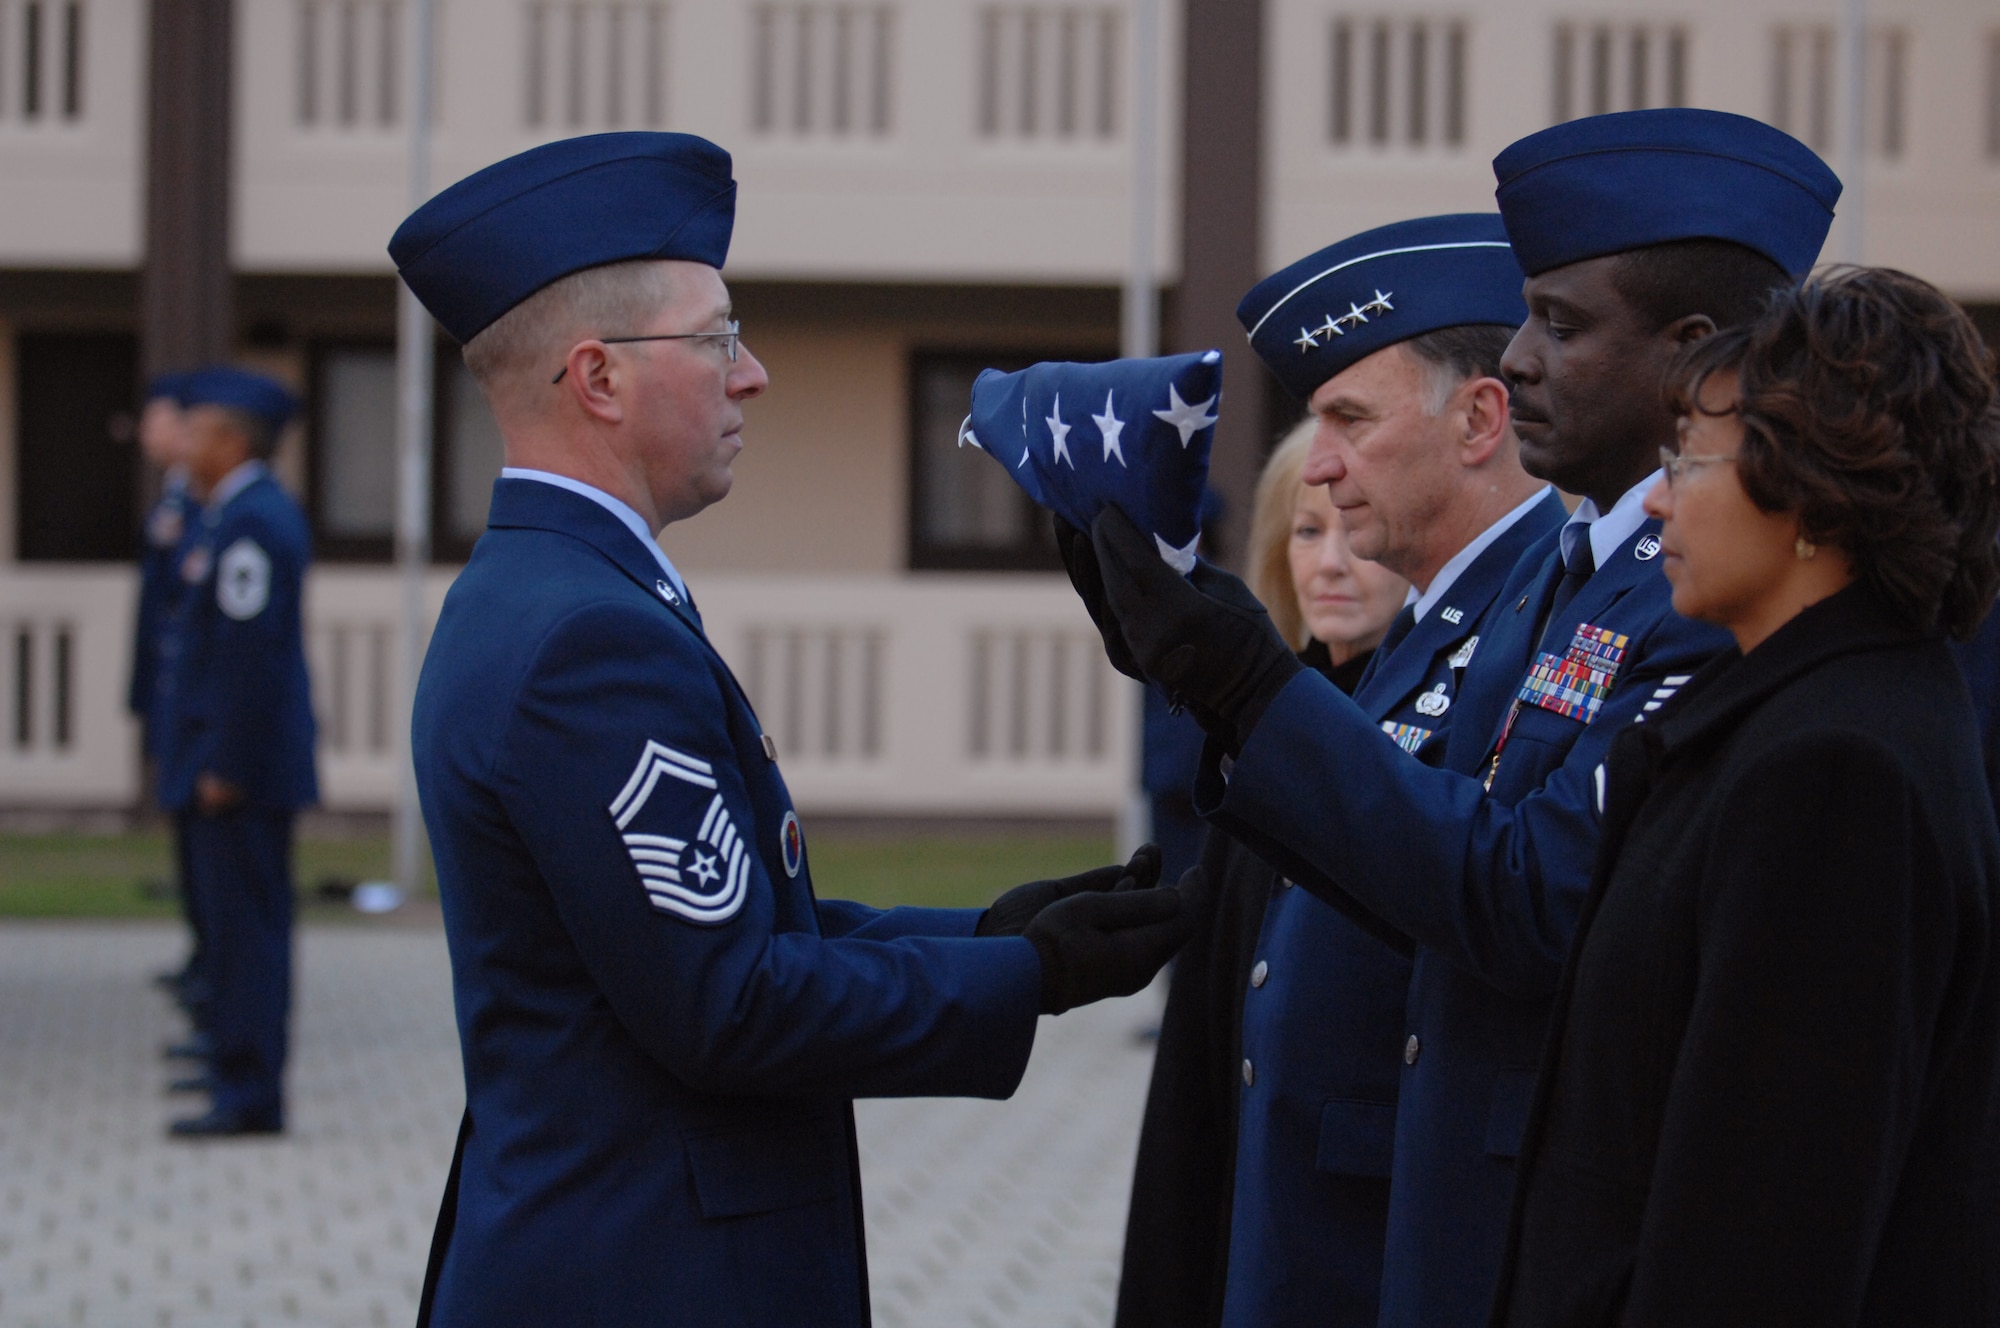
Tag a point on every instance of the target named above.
point(1335, 308)
point(166, 386)
point(501, 234)
point(1130, 434)
point(254, 394)
point(1609, 183)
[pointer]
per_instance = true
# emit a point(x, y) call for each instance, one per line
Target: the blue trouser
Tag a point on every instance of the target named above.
point(195, 972)
point(240, 862)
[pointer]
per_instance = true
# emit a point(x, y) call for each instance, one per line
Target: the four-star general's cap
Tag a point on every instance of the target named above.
point(1608, 183)
point(1131, 434)
point(254, 394)
point(1335, 308)
point(501, 234)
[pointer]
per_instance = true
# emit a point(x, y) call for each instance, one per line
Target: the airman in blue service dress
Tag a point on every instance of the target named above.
point(1300, 1162)
point(167, 524)
point(1483, 861)
point(235, 704)
point(662, 1025)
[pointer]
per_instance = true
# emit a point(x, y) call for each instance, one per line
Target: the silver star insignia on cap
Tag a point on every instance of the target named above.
point(1380, 304)
point(1305, 341)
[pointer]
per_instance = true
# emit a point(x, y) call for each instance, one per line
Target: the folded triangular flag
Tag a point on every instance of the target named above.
point(1130, 434)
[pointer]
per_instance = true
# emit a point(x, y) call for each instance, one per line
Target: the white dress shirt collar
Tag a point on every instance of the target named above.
point(1455, 567)
point(632, 520)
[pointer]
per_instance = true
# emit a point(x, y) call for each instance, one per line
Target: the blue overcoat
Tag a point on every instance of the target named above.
point(1323, 1019)
point(1483, 863)
point(662, 1028)
point(234, 700)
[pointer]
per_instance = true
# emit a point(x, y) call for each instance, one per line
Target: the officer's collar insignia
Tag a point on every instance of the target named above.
point(194, 567)
point(1647, 549)
point(1575, 683)
point(791, 844)
point(1434, 702)
point(666, 591)
point(1407, 736)
point(1451, 615)
point(702, 878)
point(1462, 657)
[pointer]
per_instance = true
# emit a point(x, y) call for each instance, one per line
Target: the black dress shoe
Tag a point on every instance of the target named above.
point(194, 1083)
point(196, 1048)
point(223, 1122)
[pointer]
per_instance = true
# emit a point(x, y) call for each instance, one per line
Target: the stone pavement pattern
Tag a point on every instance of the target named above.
point(979, 1213)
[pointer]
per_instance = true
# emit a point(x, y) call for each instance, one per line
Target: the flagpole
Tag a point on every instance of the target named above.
point(413, 469)
point(1140, 326)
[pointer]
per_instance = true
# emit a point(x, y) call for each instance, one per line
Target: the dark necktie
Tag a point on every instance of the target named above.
point(1398, 629)
point(1578, 563)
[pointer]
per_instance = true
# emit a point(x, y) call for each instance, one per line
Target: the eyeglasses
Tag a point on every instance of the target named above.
point(1676, 464)
point(730, 335)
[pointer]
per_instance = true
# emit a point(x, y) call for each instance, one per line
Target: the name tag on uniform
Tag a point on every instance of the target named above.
point(1575, 683)
point(1407, 736)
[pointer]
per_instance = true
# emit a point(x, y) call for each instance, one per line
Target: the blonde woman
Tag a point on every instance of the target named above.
point(1334, 608)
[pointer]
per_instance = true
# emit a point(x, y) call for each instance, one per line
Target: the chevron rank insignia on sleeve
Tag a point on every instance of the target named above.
point(702, 878)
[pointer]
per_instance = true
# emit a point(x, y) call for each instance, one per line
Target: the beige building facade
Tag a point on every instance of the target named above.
point(927, 187)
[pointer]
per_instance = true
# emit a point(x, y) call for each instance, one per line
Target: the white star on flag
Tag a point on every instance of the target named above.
point(1181, 560)
point(1060, 432)
point(1190, 420)
point(1110, 426)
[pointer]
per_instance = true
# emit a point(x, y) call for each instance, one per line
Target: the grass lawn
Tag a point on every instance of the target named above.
point(123, 876)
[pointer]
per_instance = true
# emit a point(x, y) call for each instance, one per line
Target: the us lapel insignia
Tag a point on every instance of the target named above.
point(666, 591)
point(1647, 549)
point(1434, 702)
point(1452, 616)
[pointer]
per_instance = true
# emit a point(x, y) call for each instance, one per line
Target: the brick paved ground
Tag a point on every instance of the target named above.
point(983, 1214)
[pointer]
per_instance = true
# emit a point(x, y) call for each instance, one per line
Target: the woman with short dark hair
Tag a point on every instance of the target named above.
point(1772, 1090)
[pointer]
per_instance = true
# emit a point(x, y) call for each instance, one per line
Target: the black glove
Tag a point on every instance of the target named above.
point(1098, 945)
point(1080, 560)
point(1010, 914)
point(1204, 638)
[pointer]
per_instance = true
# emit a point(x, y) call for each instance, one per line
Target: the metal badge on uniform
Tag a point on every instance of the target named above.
point(702, 872)
point(1575, 684)
point(666, 592)
point(1407, 736)
point(1434, 702)
point(194, 567)
point(1452, 616)
point(1462, 657)
point(792, 844)
point(165, 527)
point(770, 746)
point(1647, 549)
point(243, 580)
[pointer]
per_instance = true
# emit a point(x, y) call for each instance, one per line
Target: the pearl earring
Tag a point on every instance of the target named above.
point(1804, 548)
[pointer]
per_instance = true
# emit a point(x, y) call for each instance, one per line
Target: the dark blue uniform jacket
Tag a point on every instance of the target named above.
point(233, 696)
point(1482, 865)
point(1323, 1021)
point(661, 1027)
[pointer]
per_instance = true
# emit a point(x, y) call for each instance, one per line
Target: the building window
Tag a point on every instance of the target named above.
point(966, 514)
point(41, 61)
point(1805, 85)
point(353, 454)
point(1603, 67)
point(593, 64)
point(350, 64)
point(1048, 72)
point(1396, 82)
point(821, 70)
point(1802, 65)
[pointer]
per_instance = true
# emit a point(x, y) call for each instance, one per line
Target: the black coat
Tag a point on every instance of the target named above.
point(1177, 1232)
point(1772, 1092)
